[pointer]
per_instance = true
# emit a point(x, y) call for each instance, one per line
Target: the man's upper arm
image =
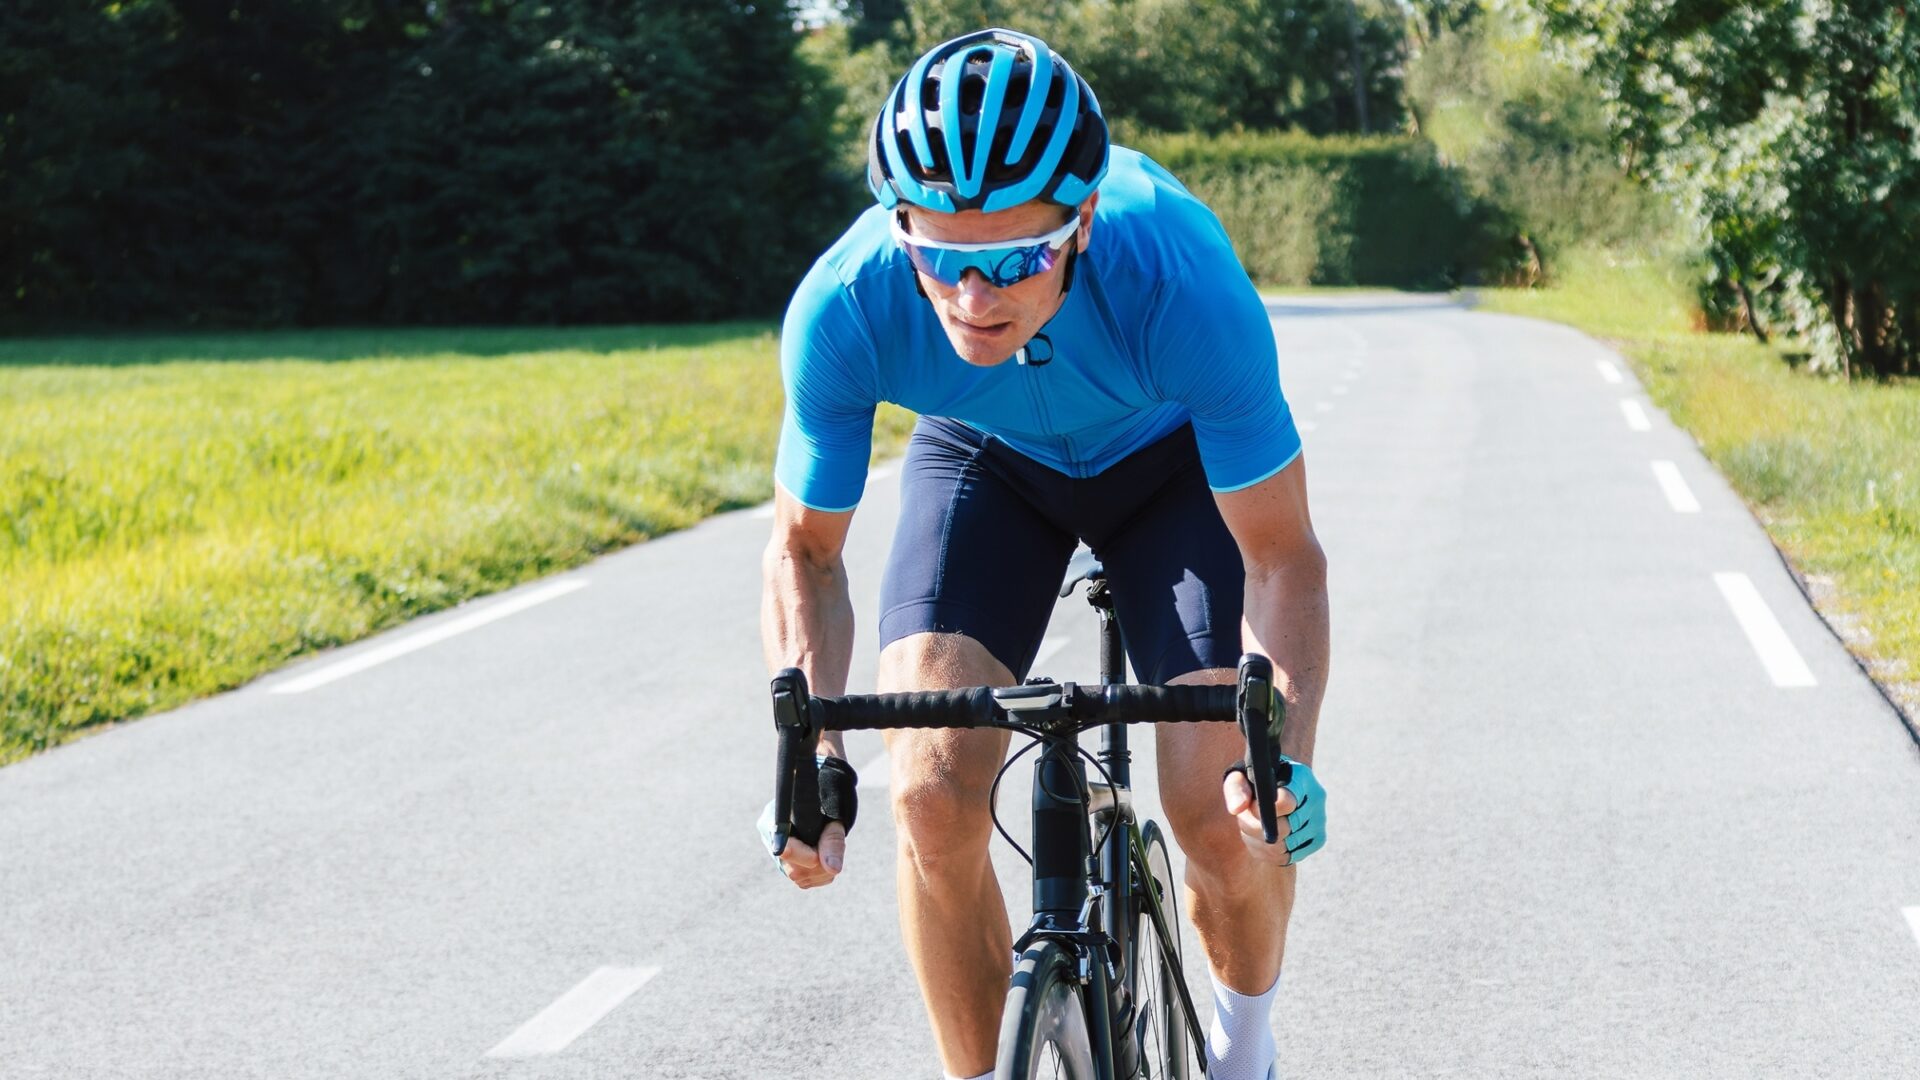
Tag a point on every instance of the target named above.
point(815, 536)
point(827, 368)
point(1270, 521)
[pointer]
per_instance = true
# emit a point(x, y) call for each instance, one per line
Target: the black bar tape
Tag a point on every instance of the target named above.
point(976, 707)
point(1158, 704)
point(919, 709)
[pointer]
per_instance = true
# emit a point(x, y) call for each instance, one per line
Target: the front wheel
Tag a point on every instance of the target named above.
point(1159, 1023)
point(1043, 1031)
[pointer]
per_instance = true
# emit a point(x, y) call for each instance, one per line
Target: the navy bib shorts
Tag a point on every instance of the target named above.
point(985, 533)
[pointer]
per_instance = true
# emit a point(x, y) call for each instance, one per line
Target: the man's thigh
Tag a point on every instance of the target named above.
point(973, 553)
point(1178, 580)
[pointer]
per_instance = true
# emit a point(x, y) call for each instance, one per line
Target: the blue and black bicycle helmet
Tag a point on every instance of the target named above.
point(984, 122)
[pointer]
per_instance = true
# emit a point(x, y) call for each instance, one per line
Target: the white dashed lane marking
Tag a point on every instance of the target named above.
point(1323, 406)
point(576, 1010)
point(1608, 371)
point(1679, 495)
point(1340, 389)
point(380, 654)
point(1913, 921)
point(1782, 661)
point(1636, 416)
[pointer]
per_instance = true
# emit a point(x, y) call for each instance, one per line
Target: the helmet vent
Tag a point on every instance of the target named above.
point(973, 92)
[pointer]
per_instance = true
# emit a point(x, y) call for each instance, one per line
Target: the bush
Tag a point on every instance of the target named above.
point(1382, 209)
point(317, 162)
point(1528, 137)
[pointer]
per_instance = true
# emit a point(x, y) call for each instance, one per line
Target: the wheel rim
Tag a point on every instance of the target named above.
point(1156, 1023)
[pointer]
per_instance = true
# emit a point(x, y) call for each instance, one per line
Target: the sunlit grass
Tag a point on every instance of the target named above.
point(180, 514)
point(1831, 469)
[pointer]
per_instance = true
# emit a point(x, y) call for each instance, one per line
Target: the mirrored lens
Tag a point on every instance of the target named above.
point(1001, 267)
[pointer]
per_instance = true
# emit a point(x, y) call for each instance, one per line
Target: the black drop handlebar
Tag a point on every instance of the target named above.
point(1053, 709)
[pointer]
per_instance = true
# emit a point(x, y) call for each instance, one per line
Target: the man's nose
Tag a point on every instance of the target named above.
point(975, 292)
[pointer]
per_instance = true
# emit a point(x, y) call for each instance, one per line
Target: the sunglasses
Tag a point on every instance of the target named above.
point(1002, 263)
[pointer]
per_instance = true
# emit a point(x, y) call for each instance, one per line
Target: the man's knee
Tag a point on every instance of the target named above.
point(942, 777)
point(1206, 833)
point(939, 821)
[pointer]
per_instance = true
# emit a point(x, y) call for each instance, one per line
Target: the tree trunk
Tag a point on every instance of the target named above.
point(1753, 312)
point(1840, 299)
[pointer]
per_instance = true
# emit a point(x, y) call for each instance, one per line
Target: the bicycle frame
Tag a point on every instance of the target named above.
point(1083, 898)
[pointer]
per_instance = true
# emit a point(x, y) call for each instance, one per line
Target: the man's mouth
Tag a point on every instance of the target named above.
point(993, 329)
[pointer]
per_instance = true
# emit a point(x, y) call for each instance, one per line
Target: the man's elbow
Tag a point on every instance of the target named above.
point(1299, 565)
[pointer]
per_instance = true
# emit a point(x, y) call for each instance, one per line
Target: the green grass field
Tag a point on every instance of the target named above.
point(1831, 469)
point(179, 514)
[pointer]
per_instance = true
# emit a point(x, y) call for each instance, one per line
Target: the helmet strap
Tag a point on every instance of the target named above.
point(1066, 278)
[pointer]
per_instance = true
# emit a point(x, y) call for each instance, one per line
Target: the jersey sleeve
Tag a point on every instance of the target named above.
point(827, 366)
point(1212, 350)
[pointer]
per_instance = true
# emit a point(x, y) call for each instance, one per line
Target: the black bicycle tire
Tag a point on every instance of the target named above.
point(1045, 1005)
point(1169, 1054)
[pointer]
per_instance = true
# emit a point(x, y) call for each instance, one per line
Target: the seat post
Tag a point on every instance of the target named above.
point(1114, 753)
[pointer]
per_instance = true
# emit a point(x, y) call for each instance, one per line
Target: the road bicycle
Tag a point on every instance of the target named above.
point(1098, 991)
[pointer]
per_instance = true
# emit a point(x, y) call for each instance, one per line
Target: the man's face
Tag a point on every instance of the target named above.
point(987, 325)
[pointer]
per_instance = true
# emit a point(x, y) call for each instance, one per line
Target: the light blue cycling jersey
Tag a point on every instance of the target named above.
point(1161, 327)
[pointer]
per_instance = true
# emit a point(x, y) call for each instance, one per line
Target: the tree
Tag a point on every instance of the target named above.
point(1790, 126)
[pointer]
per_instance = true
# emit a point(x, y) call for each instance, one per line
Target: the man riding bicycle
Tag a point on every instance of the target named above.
point(1124, 394)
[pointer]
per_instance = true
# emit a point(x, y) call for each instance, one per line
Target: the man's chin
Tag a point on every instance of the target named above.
point(981, 354)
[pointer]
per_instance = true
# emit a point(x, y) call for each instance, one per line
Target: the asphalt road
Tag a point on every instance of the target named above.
point(1581, 823)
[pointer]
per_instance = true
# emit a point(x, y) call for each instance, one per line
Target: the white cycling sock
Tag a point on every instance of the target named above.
point(1240, 1046)
point(988, 1075)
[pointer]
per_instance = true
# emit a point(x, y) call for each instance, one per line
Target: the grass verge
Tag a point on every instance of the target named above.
point(1831, 469)
point(179, 514)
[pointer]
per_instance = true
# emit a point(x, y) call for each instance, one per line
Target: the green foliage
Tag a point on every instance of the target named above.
point(1789, 127)
point(1188, 65)
point(1386, 212)
point(313, 161)
point(181, 514)
point(1530, 139)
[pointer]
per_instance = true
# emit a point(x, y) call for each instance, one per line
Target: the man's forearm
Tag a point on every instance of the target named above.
point(806, 621)
point(1287, 620)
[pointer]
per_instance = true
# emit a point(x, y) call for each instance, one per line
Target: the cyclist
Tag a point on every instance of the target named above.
point(1090, 363)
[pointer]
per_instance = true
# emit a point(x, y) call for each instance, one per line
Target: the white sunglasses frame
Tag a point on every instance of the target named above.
point(1054, 239)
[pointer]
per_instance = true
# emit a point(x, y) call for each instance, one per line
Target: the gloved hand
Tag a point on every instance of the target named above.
point(1301, 805)
point(807, 865)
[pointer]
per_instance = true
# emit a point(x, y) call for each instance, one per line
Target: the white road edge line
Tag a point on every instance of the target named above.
point(381, 654)
point(765, 510)
point(576, 1010)
point(1783, 662)
point(1913, 920)
point(1306, 425)
point(1608, 371)
point(1679, 495)
point(1636, 416)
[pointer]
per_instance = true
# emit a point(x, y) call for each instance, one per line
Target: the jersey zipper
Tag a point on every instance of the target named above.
point(1037, 393)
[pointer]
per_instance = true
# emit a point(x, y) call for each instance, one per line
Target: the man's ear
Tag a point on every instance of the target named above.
point(1086, 220)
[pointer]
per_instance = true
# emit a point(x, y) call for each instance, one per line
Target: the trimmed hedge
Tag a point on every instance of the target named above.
point(1382, 210)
